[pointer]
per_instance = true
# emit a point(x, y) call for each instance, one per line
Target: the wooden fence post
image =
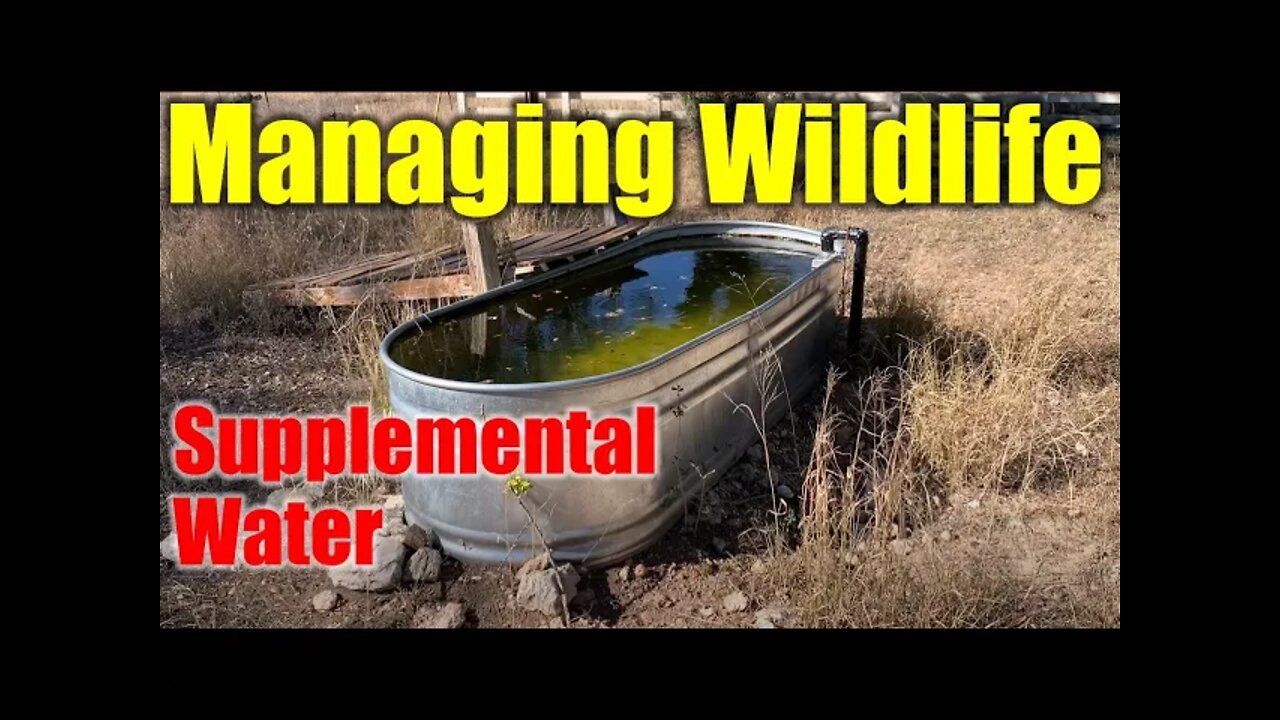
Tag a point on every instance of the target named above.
point(479, 334)
point(609, 211)
point(482, 256)
point(482, 262)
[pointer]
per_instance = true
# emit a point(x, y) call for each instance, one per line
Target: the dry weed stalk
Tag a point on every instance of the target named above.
point(770, 386)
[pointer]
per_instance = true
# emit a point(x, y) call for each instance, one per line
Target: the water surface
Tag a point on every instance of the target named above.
point(609, 317)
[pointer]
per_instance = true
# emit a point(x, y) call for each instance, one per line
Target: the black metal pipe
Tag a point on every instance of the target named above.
point(829, 239)
point(860, 239)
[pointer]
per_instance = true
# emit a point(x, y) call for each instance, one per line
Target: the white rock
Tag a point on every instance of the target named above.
point(735, 602)
point(758, 567)
point(944, 536)
point(448, 617)
point(307, 494)
point(169, 547)
point(325, 600)
point(393, 527)
point(900, 547)
point(393, 508)
point(424, 565)
point(383, 574)
point(768, 618)
point(539, 592)
point(973, 504)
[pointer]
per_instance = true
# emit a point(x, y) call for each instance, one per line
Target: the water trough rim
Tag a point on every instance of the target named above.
point(747, 228)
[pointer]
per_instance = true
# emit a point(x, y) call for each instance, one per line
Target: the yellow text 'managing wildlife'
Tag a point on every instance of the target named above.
point(982, 155)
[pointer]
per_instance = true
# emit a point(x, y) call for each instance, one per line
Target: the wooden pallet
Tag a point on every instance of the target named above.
point(439, 274)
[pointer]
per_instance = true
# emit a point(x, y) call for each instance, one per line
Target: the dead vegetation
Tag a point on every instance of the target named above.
point(904, 461)
point(966, 474)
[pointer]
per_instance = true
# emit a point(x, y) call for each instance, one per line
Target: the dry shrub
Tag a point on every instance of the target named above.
point(360, 489)
point(993, 411)
point(943, 409)
point(359, 332)
point(822, 477)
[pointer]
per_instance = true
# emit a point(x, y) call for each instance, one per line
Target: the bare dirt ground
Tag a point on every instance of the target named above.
point(1004, 470)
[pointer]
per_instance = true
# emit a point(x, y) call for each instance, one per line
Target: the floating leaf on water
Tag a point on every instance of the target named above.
point(493, 317)
point(526, 313)
point(555, 339)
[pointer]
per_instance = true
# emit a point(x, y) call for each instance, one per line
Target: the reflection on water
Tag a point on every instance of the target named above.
point(611, 317)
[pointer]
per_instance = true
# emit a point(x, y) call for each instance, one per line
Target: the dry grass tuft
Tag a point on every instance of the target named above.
point(960, 404)
point(992, 411)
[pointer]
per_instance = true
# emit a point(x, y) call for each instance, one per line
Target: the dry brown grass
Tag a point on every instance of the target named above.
point(898, 457)
point(988, 411)
point(991, 412)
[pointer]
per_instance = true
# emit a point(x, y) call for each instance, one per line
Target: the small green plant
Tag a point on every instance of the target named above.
point(518, 485)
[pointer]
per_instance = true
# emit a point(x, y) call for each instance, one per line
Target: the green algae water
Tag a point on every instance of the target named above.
point(609, 317)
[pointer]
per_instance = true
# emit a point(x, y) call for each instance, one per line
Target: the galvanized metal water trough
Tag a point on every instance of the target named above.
point(598, 521)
